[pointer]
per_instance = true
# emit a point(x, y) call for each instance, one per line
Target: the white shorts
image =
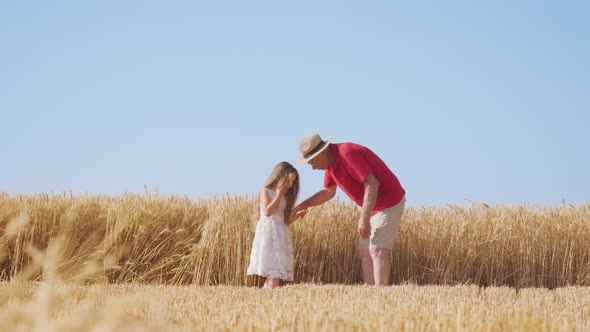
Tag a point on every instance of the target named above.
point(384, 226)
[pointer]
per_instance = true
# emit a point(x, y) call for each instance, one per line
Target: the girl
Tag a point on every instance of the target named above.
point(272, 248)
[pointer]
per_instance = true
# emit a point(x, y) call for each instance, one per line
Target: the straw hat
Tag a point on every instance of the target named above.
point(312, 145)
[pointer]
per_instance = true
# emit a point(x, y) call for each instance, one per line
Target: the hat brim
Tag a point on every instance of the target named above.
point(303, 160)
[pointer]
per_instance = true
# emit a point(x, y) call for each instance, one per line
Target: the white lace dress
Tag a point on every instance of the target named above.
point(272, 248)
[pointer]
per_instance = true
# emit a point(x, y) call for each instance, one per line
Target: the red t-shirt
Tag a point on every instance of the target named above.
point(352, 164)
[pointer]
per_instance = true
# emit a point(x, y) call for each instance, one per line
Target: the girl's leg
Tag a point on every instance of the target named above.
point(274, 282)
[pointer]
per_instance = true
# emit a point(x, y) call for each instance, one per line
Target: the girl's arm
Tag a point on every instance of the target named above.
point(270, 205)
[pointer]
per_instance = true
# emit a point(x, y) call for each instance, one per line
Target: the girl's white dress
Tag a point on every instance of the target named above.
point(272, 248)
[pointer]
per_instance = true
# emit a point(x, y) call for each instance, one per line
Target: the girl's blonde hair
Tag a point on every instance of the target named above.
point(282, 171)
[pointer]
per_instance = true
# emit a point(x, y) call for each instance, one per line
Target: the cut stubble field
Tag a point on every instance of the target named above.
point(301, 307)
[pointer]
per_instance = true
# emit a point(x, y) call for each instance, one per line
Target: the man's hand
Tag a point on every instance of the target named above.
point(296, 214)
point(364, 229)
point(300, 213)
point(370, 197)
point(298, 208)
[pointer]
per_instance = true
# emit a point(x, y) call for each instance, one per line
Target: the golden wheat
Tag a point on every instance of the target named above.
point(62, 242)
point(175, 240)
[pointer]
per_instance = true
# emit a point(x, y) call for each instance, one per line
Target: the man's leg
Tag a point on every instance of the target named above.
point(366, 263)
point(381, 265)
point(384, 226)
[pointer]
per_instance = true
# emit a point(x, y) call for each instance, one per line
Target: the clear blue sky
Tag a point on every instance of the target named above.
point(465, 100)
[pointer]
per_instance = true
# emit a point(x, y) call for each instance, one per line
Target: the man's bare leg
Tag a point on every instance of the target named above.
point(381, 258)
point(366, 264)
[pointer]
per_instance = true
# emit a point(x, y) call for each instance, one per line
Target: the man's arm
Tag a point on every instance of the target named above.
point(318, 198)
point(371, 190)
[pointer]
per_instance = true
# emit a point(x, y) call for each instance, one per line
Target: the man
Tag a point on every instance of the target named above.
point(365, 178)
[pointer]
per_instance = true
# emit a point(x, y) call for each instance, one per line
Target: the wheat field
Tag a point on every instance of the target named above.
point(174, 263)
point(300, 307)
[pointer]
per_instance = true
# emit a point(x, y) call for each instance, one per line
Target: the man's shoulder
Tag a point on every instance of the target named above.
point(347, 148)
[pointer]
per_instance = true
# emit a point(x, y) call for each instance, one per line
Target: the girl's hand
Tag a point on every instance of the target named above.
point(283, 186)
